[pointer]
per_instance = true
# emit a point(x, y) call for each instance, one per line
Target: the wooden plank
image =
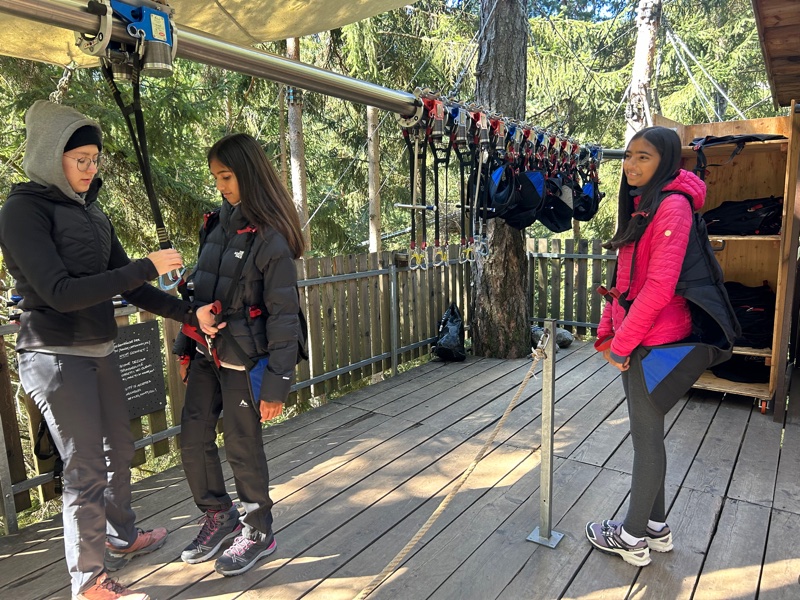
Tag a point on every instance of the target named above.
point(569, 281)
point(328, 297)
point(10, 431)
point(175, 385)
point(732, 569)
point(756, 469)
point(314, 318)
point(364, 316)
point(522, 569)
point(581, 287)
point(358, 324)
point(303, 372)
point(541, 282)
point(595, 299)
point(404, 313)
point(341, 328)
point(371, 312)
point(385, 297)
point(555, 281)
point(157, 421)
point(471, 516)
point(782, 559)
point(787, 485)
point(713, 465)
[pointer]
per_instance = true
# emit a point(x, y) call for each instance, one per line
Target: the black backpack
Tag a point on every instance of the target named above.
point(759, 216)
point(755, 310)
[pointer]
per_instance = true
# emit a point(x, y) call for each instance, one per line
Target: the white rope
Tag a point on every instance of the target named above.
point(706, 73)
point(693, 80)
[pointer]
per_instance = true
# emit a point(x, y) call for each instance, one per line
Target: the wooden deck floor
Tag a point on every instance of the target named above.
point(353, 481)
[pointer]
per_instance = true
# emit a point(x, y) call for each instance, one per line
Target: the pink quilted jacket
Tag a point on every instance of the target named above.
point(658, 316)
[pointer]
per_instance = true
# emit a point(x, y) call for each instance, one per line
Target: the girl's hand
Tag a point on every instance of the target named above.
point(270, 410)
point(206, 320)
point(621, 366)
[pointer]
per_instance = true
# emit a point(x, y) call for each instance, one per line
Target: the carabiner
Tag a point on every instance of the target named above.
point(467, 255)
point(482, 248)
point(422, 260)
point(413, 260)
point(439, 257)
point(171, 280)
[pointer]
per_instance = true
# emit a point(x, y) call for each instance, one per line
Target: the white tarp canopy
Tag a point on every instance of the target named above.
point(241, 22)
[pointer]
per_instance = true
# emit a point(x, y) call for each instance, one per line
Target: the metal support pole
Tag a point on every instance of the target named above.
point(10, 524)
point(199, 47)
point(543, 534)
point(395, 315)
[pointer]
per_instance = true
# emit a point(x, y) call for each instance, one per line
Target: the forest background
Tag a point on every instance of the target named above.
point(580, 56)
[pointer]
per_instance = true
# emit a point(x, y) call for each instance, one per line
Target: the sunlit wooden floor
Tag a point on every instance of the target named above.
point(353, 481)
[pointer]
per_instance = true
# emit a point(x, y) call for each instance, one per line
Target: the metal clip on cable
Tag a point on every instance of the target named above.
point(413, 259)
point(482, 248)
point(422, 260)
point(439, 257)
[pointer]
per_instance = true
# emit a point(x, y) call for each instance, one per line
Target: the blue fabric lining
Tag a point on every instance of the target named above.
point(661, 362)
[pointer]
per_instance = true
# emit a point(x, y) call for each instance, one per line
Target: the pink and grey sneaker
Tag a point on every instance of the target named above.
point(605, 536)
point(146, 542)
point(218, 526)
point(247, 548)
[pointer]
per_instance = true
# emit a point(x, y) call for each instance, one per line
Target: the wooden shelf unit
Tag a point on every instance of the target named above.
point(760, 170)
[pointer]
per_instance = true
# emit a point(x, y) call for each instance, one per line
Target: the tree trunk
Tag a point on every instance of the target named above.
point(374, 152)
point(500, 324)
point(297, 146)
point(284, 163)
point(638, 113)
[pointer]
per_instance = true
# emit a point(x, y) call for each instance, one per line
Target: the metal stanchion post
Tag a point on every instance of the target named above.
point(543, 534)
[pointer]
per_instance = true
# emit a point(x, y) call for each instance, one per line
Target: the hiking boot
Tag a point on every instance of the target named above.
point(605, 536)
point(146, 542)
point(105, 588)
point(246, 549)
point(218, 526)
point(658, 541)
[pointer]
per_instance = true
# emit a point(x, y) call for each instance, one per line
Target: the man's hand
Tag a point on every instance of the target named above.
point(270, 410)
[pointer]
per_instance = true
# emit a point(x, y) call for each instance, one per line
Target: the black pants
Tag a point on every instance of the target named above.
point(206, 397)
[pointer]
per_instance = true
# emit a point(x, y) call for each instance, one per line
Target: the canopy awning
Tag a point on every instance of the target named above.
point(241, 22)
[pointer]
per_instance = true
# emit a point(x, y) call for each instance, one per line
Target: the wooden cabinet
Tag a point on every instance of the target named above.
point(761, 169)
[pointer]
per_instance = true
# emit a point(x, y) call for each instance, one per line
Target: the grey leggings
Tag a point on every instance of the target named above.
point(649, 454)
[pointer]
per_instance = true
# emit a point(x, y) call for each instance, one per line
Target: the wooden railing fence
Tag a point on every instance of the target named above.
point(366, 314)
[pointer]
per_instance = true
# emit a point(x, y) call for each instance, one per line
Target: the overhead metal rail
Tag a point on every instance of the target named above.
point(199, 47)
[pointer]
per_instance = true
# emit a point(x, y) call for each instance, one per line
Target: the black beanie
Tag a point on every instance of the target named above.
point(85, 136)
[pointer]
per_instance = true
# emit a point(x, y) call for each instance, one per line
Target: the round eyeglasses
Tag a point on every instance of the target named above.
point(83, 162)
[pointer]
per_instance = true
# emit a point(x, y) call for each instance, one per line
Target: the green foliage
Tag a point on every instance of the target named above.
point(580, 56)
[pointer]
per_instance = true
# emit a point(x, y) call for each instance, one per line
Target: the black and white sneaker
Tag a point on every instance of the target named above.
point(246, 550)
point(218, 526)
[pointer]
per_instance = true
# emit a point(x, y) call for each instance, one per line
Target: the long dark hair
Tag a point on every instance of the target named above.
point(630, 228)
point(265, 200)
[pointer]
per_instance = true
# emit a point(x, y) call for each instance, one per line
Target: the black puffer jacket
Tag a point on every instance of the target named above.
point(68, 263)
point(264, 313)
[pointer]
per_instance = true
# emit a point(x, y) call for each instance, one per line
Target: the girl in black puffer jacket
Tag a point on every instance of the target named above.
point(246, 268)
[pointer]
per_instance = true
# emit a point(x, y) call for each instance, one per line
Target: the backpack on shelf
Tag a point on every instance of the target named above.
point(755, 310)
point(759, 216)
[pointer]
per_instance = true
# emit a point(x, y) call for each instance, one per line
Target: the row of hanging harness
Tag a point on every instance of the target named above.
point(507, 170)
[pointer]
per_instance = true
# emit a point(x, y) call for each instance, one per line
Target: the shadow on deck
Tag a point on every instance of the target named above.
point(354, 480)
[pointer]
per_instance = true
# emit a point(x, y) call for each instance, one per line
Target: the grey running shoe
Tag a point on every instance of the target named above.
point(658, 541)
point(246, 549)
point(605, 536)
point(218, 526)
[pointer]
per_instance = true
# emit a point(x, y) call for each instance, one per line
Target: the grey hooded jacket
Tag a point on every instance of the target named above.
point(62, 250)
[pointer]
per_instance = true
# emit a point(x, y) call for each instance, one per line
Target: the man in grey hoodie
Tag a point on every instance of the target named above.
point(68, 263)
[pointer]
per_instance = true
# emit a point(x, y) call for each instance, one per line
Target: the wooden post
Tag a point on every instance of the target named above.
point(10, 431)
